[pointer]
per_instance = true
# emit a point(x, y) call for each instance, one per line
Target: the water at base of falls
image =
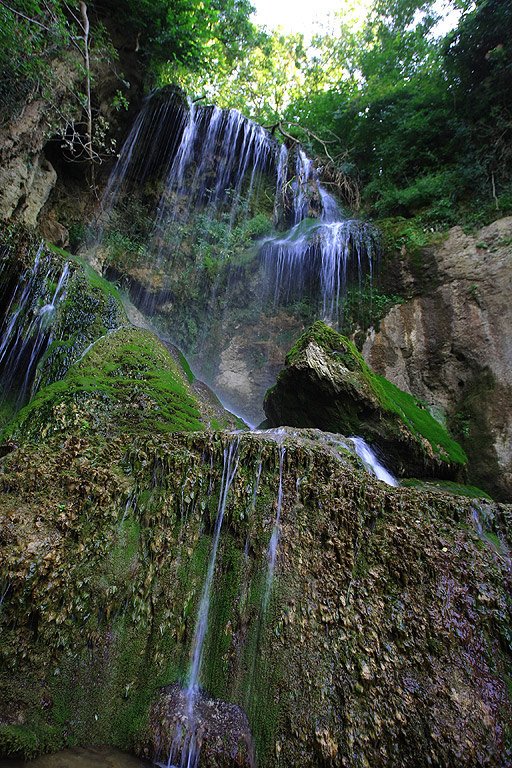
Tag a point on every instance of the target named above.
point(81, 757)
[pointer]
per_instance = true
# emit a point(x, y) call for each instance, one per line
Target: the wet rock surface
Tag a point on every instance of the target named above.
point(326, 384)
point(452, 347)
point(386, 640)
point(219, 731)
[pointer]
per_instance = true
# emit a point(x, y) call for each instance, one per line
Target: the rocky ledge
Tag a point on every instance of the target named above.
point(326, 384)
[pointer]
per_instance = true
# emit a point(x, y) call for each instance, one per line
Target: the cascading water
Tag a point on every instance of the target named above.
point(186, 747)
point(321, 248)
point(371, 462)
point(202, 261)
point(26, 330)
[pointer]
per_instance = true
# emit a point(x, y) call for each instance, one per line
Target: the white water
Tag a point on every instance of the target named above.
point(212, 174)
point(26, 331)
point(274, 539)
point(371, 462)
point(185, 749)
point(328, 249)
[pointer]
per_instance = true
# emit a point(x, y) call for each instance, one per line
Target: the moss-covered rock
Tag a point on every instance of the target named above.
point(127, 383)
point(53, 307)
point(327, 384)
point(384, 638)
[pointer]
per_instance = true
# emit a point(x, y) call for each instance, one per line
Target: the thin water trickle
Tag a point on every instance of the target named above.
point(185, 749)
point(274, 539)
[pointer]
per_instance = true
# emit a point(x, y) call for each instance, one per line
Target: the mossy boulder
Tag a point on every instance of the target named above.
point(53, 306)
point(326, 384)
point(128, 383)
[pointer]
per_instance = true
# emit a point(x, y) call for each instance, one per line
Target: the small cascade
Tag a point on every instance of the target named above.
point(185, 748)
point(322, 253)
point(26, 329)
point(274, 539)
point(371, 462)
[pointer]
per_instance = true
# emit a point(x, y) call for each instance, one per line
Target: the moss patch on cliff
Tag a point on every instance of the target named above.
point(126, 383)
point(341, 369)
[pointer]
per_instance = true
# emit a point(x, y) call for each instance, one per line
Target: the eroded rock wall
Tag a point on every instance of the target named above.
point(386, 638)
point(451, 346)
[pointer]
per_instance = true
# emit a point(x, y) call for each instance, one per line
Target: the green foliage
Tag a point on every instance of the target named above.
point(262, 81)
point(179, 37)
point(31, 36)
point(403, 114)
point(365, 306)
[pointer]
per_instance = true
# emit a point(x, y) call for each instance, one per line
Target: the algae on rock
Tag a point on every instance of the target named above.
point(386, 639)
point(327, 384)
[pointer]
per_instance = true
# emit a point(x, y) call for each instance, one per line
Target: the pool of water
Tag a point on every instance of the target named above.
point(81, 757)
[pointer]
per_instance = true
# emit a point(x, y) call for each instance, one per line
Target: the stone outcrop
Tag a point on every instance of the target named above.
point(452, 347)
point(326, 384)
point(385, 639)
point(220, 731)
point(26, 176)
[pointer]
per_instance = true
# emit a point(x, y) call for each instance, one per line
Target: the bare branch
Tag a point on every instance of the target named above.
point(27, 18)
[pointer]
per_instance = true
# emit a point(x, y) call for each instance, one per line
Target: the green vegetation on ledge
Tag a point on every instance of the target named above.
point(126, 383)
point(327, 384)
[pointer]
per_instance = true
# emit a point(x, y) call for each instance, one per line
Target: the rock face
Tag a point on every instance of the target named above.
point(333, 620)
point(383, 639)
point(221, 733)
point(26, 176)
point(327, 385)
point(452, 347)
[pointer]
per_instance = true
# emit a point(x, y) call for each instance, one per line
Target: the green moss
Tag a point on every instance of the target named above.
point(94, 279)
point(127, 382)
point(446, 486)
point(392, 399)
point(28, 742)
point(186, 367)
point(417, 417)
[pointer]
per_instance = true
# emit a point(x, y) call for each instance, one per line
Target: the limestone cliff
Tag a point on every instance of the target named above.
point(451, 345)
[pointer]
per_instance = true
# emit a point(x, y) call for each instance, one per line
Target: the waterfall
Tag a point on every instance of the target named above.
point(26, 330)
point(219, 151)
point(322, 249)
point(371, 462)
point(185, 748)
point(224, 226)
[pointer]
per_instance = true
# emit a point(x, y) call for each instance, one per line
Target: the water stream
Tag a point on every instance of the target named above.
point(371, 461)
point(224, 181)
point(185, 749)
point(81, 757)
